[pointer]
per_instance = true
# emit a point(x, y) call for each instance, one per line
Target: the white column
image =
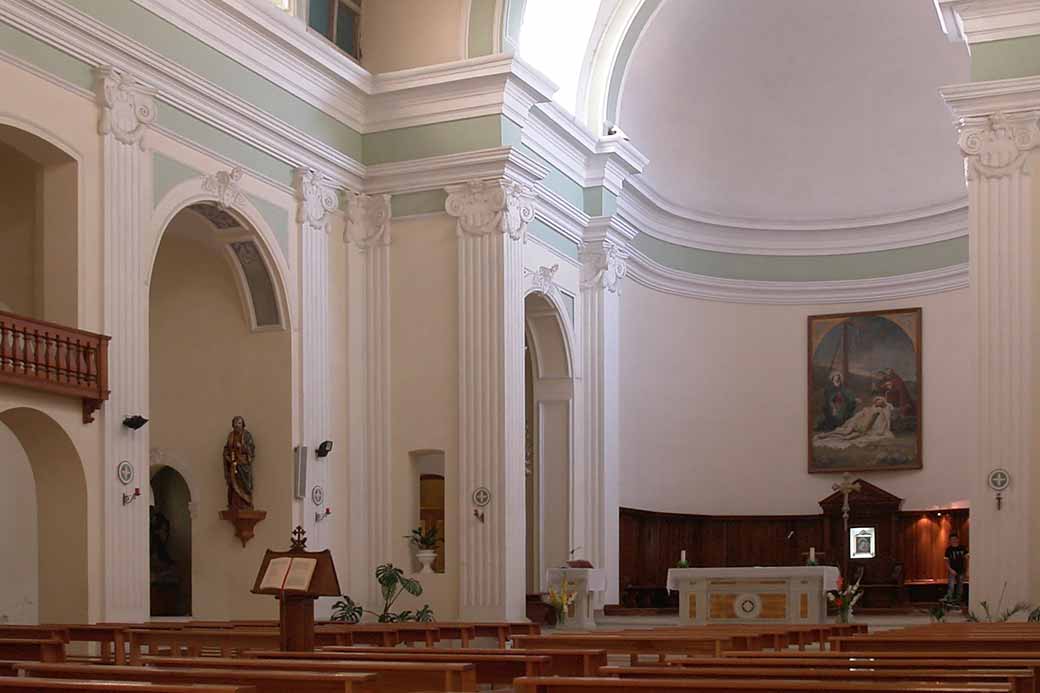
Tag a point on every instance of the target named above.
point(492, 221)
point(1003, 277)
point(602, 258)
point(127, 108)
point(368, 231)
point(317, 202)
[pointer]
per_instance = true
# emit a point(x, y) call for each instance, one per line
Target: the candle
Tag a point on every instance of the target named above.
point(682, 555)
point(812, 553)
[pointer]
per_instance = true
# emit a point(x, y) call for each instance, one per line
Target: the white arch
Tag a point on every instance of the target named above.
point(191, 192)
point(555, 297)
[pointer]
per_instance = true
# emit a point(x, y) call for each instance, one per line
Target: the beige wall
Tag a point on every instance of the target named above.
point(424, 388)
point(19, 550)
point(206, 367)
point(399, 34)
point(17, 231)
point(713, 406)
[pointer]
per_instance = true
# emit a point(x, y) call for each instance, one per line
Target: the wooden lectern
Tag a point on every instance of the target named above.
point(296, 604)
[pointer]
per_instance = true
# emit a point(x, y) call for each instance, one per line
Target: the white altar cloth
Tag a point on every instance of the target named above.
point(829, 572)
point(595, 579)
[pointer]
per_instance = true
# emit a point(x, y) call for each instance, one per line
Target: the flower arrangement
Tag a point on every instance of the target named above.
point(844, 598)
point(561, 600)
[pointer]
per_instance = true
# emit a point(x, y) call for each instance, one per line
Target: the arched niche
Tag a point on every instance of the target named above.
point(39, 202)
point(170, 556)
point(549, 414)
point(213, 356)
point(61, 514)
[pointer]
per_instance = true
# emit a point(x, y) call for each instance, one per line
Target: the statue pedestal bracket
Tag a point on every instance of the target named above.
point(244, 522)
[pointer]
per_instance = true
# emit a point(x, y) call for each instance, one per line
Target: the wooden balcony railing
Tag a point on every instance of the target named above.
point(54, 358)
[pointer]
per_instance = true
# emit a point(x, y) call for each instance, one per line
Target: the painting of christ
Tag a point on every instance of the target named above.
point(865, 391)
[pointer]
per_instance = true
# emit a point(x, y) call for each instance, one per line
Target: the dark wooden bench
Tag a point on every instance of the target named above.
point(492, 669)
point(586, 685)
point(265, 681)
point(396, 677)
point(562, 662)
point(632, 644)
point(33, 649)
point(36, 685)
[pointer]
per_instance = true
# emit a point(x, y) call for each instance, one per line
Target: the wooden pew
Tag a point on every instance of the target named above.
point(265, 681)
point(944, 642)
point(192, 642)
point(396, 677)
point(33, 649)
point(35, 685)
point(1020, 680)
point(587, 685)
point(492, 669)
point(632, 644)
point(568, 662)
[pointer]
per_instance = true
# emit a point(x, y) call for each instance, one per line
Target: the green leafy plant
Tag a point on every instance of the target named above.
point(1034, 615)
point(937, 613)
point(1000, 616)
point(392, 584)
point(424, 539)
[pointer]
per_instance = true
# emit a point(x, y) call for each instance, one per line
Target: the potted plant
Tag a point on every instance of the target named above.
point(561, 600)
point(844, 599)
point(425, 542)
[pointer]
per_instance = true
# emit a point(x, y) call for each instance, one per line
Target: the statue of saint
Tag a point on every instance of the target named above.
point(239, 452)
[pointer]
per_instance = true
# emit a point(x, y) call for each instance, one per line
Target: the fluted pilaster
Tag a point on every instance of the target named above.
point(602, 258)
point(1003, 277)
point(368, 232)
point(127, 108)
point(317, 203)
point(492, 219)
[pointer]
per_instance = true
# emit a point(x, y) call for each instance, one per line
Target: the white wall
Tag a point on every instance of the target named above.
point(389, 29)
point(19, 541)
point(713, 406)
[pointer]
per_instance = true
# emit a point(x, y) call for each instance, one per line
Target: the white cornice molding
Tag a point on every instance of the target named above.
point(653, 275)
point(560, 215)
point(73, 32)
point(557, 136)
point(644, 208)
point(978, 21)
point(437, 172)
point(987, 98)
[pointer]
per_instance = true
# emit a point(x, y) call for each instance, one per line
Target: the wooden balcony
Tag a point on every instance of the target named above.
point(56, 359)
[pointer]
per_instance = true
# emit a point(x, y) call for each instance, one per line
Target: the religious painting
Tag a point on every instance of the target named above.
point(862, 542)
point(865, 391)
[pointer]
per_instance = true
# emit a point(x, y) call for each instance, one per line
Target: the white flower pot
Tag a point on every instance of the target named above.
point(426, 559)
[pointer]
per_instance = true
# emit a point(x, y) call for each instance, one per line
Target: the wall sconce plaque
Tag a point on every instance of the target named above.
point(125, 473)
point(317, 495)
point(999, 480)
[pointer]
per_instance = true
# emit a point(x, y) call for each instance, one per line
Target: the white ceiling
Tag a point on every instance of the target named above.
point(818, 111)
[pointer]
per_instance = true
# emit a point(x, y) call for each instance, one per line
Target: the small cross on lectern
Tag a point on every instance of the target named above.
point(299, 539)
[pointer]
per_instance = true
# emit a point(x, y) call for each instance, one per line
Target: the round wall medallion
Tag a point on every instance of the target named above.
point(317, 495)
point(125, 472)
point(481, 497)
point(999, 479)
point(747, 605)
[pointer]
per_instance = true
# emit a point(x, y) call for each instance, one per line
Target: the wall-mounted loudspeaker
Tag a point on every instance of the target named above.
point(300, 473)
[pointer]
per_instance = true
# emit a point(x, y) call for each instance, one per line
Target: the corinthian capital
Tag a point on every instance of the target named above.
point(224, 186)
point(127, 106)
point(998, 145)
point(318, 200)
point(602, 265)
point(491, 206)
point(368, 220)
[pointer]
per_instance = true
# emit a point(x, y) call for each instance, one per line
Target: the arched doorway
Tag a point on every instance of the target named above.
point(549, 405)
point(170, 543)
point(219, 348)
point(43, 552)
point(38, 248)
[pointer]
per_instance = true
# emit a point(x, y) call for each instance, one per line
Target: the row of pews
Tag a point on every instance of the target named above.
point(222, 657)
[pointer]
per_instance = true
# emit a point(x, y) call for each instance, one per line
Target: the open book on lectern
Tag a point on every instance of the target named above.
point(289, 574)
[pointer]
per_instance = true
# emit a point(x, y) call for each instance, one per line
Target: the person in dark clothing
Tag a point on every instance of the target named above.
point(956, 569)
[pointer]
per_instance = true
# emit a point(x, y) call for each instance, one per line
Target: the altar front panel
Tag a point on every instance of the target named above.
point(752, 595)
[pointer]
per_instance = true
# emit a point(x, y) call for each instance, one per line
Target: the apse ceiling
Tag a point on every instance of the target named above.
point(801, 113)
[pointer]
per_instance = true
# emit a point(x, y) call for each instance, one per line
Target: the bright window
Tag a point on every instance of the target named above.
point(553, 39)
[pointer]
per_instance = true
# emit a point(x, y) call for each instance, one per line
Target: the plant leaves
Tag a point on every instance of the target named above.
point(411, 586)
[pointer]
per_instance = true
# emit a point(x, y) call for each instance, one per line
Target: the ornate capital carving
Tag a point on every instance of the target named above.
point(127, 106)
point(224, 186)
point(602, 265)
point(998, 145)
point(542, 280)
point(368, 220)
point(491, 206)
point(318, 200)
